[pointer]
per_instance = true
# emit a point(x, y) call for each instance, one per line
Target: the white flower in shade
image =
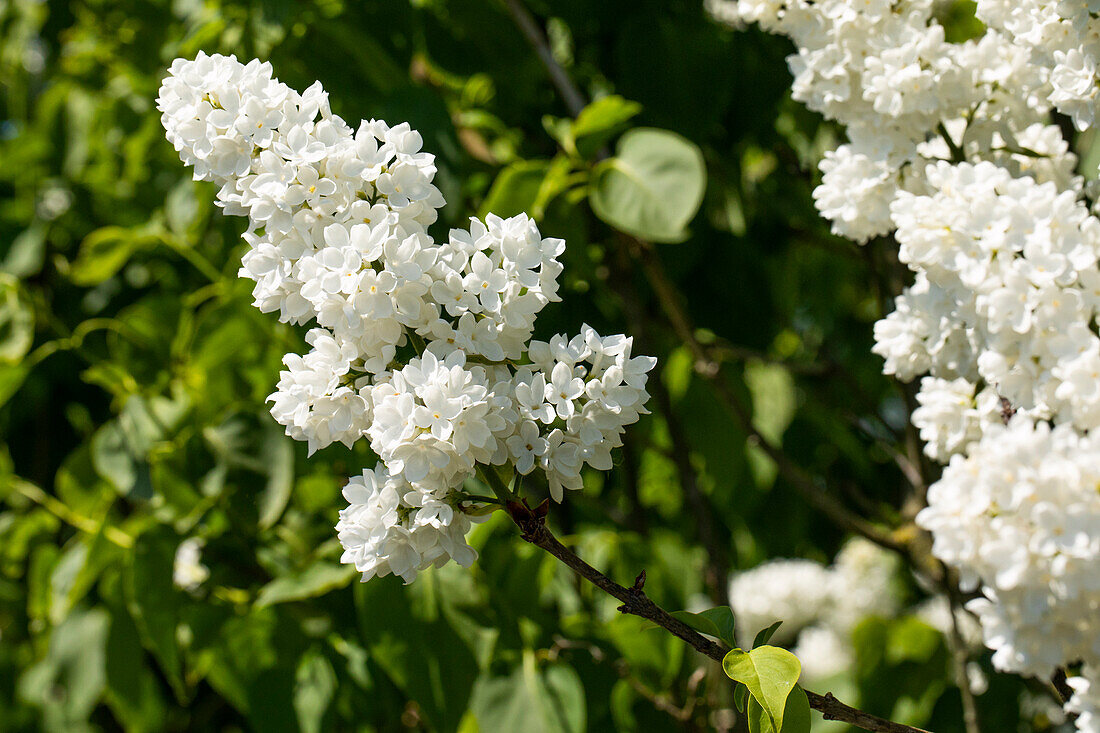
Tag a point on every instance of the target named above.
point(188, 572)
point(527, 446)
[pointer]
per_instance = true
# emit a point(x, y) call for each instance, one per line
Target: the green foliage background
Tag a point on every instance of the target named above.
point(133, 374)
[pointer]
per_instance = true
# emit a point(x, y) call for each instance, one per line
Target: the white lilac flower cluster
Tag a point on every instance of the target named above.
point(424, 348)
point(951, 149)
point(819, 605)
point(1064, 40)
point(1021, 515)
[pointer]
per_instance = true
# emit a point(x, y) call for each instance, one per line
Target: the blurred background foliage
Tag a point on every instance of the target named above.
point(133, 374)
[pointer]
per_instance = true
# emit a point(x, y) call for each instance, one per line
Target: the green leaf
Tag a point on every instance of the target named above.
point(27, 253)
point(67, 683)
point(515, 189)
point(316, 580)
point(532, 699)
point(717, 622)
point(527, 186)
point(104, 252)
point(133, 692)
point(416, 647)
point(796, 715)
point(314, 686)
point(77, 570)
point(561, 129)
point(652, 187)
point(277, 454)
point(910, 639)
point(740, 692)
point(11, 379)
point(774, 402)
point(600, 120)
point(181, 208)
point(769, 672)
point(154, 601)
point(16, 322)
point(252, 662)
point(764, 635)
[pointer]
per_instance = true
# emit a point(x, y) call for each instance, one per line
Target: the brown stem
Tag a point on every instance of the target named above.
point(961, 658)
point(714, 538)
point(710, 369)
point(635, 602)
point(572, 97)
point(717, 569)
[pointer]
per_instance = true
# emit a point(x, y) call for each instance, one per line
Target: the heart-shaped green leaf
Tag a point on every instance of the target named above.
point(652, 187)
point(770, 673)
point(796, 715)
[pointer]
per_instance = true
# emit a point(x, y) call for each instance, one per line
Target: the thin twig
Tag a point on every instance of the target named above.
point(705, 364)
point(961, 659)
point(574, 100)
point(635, 602)
point(707, 367)
point(62, 511)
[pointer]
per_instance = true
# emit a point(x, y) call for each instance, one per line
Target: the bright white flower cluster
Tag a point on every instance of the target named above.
point(951, 149)
point(422, 347)
point(818, 605)
point(1085, 702)
point(1064, 40)
point(1012, 264)
point(391, 526)
point(1021, 514)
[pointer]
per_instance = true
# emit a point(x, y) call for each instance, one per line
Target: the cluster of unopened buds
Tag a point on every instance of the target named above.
point(422, 347)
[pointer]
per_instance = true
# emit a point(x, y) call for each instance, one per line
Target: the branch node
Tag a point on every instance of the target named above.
point(532, 522)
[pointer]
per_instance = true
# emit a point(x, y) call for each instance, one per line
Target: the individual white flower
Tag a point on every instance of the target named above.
point(526, 446)
point(563, 388)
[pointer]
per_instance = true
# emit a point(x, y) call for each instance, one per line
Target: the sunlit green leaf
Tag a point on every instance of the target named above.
point(600, 120)
point(770, 673)
point(796, 715)
point(16, 322)
point(104, 252)
point(155, 602)
point(652, 186)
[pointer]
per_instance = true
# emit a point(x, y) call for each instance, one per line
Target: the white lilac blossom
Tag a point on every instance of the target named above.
point(1020, 516)
point(188, 572)
point(423, 348)
point(1085, 702)
point(393, 527)
point(951, 150)
point(819, 605)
